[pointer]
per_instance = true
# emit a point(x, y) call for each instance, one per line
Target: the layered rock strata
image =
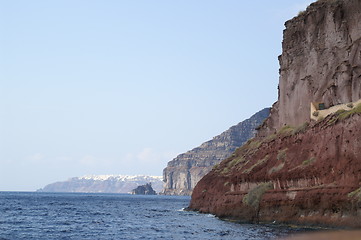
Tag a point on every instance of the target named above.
point(307, 175)
point(298, 170)
point(183, 172)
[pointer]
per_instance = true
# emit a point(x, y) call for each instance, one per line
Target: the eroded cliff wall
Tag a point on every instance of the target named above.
point(298, 170)
point(309, 175)
point(320, 61)
point(183, 173)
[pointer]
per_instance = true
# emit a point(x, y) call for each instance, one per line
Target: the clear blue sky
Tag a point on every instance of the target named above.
point(122, 87)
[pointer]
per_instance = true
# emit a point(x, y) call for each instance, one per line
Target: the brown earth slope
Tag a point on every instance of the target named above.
point(309, 175)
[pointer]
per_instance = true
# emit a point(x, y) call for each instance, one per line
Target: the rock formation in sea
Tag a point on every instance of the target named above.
point(183, 172)
point(300, 170)
point(144, 190)
point(104, 184)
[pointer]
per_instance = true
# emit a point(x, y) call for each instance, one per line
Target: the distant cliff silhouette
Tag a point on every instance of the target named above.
point(104, 184)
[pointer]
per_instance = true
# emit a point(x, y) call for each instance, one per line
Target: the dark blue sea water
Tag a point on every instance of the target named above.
point(115, 216)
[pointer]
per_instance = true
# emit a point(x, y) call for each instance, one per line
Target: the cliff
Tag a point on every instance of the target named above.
point(320, 61)
point(310, 174)
point(183, 173)
point(104, 184)
point(144, 190)
point(298, 170)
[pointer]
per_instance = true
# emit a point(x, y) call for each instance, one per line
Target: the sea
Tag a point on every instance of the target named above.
point(34, 215)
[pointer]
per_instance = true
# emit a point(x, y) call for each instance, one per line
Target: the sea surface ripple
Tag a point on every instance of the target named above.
point(25, 215)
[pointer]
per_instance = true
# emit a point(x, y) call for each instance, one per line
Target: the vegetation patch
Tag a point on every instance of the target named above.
point(344, 114)
point(276, 168)
point(355, 194)
point(286, 130)
point(332, 121)
point(347, 114)
point(254, 196)
point(309, 161)
point(270, 138)
point(254, 144)
point(225, 171)
point(282, 154)
point(301, 129)
point(258, 163)
point(251, 146)
point(215, 167)
point(235, 161)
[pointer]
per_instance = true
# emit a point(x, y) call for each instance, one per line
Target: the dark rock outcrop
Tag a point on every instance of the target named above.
point(298, 170)
point(183, 173)
point(144, 190)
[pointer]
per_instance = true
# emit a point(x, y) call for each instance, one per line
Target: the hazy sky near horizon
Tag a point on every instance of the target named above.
point(123, 87)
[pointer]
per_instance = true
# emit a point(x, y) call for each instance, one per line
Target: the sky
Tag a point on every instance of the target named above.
point(123, 87)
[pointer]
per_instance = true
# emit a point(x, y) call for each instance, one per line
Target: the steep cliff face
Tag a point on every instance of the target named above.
point(183, 173)
point(309, 175)
point(320, 61)
point(297, 170)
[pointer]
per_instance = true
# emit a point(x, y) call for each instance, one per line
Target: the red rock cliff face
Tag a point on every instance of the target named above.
point(320, 61)
point(309, 175)
point(311, 172)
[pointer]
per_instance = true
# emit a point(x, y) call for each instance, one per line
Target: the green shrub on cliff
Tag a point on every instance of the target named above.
point(301, 129)
point(215, 167)
point(235, 161)
point(225, 171)
point(356, 194)
point(347, 114)
point(343, 114)
point(286, 130)
point(258, 163)
point(309, 161)
point(251, 146)
point(254, 196)
point(276, 168)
